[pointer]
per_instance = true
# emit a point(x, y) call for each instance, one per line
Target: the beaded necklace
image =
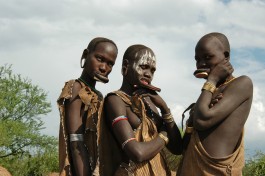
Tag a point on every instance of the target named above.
point(226, 82)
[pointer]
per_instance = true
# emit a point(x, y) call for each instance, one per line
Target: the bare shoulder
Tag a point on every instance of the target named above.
point(114, 106)
point(241, 85)
point(244, 82)
point(113, 99)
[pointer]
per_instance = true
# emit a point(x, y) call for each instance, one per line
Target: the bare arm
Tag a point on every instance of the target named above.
point(173, 133)
point(75, 126)
point(239, 91)
point(175, 140)
point(189, 122)
point(136, 151)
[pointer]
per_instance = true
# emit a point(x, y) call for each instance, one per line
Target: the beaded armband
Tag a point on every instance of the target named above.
point(125, 142)
point(117, 119)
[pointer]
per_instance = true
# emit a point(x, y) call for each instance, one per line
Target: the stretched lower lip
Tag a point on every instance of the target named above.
point(101, 78)
point(144, 82)
point(201, 73)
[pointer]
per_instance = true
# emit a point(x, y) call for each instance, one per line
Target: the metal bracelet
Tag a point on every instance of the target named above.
point(76, 137)
point(164, 138)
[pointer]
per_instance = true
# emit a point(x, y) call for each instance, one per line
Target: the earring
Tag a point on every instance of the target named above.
point(226, 53)
point(82, 62)
point(124, 71)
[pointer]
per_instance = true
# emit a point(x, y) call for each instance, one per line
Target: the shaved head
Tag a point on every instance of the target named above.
point(93, 43)
point(134, 52)
point(220, 37)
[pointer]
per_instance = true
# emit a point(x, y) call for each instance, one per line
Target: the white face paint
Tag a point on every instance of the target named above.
point(147, 58)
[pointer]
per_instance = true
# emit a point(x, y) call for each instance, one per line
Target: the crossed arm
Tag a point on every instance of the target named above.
point(205, 117)
point(123, 131)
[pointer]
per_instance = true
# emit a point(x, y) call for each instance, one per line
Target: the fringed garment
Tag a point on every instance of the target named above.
point(197, 162)
point(92, 107)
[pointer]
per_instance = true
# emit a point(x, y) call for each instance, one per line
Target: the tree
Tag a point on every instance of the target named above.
point(255, 166)
point(21, 106)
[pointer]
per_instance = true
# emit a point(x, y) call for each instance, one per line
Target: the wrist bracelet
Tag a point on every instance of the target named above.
point(167, 114)
point(163, 137)
point(188, 129)
point(168, 118)
point(209, 87)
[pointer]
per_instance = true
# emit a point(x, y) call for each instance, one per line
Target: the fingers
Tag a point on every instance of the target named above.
point(228, 66)
point(151, 96)
point(232, 70)
point(139, 92)
point(144, 92)
point(219, 96)
point(216, 99)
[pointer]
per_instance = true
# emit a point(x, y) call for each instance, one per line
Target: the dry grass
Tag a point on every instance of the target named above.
point(4, 172)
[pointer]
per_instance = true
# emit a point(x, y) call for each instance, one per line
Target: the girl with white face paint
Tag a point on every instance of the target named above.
point(144, 66)
point(140, 131)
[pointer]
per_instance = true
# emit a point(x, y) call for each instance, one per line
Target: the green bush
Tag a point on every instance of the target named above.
point(23, 149)
point(255, 166)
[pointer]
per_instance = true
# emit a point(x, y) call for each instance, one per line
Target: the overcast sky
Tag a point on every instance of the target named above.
point(44, 40)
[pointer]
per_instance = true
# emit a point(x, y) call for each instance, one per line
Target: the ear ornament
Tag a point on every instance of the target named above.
point(82, 62)
point(226, 53)
point(124, 71)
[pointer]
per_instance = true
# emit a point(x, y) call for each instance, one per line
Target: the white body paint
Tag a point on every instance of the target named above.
point(147, 58)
